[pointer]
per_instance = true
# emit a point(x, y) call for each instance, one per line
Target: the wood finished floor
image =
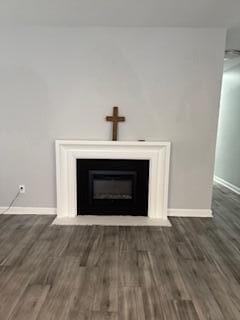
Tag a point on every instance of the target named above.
point(188, 272)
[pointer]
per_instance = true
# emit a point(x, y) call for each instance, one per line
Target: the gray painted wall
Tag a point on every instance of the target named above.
point(233, 38)
point(59, 83)
point(227, 164)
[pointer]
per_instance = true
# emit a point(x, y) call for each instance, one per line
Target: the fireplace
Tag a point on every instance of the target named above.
point(70, 190)
point(112, 187)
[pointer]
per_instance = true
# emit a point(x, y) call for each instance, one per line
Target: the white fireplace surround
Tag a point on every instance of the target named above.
point(68, 151)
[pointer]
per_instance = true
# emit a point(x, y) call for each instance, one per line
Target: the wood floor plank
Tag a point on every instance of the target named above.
point(106, 296)
point(153, 304)
point(99, 315)
point(185, 309)
point(16, 256)
point(14, 231)
point(128, 269)
point(11, 293)
point(30, 303)
point(58, 300)
point(131, 304)
point(83, 296)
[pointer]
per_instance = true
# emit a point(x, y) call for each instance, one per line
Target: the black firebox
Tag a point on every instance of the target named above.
point(112, 187)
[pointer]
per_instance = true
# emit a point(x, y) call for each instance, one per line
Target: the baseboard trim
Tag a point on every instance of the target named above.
point(227, 184)
point(194, 213)
point(53, 211)
point(29, 210)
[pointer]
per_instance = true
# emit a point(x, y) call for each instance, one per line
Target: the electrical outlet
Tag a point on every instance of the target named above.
point(22, 188)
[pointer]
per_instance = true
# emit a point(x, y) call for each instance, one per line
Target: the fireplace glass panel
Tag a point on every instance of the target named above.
point(109, 185)
point(112, 189)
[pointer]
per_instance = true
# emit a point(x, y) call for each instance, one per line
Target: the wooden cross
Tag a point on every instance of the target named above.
point(115, 119)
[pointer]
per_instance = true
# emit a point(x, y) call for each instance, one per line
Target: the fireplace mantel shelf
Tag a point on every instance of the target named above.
point(106, 142)
point(157, 152)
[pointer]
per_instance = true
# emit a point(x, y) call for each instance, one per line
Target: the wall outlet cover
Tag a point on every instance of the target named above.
point(22, 188)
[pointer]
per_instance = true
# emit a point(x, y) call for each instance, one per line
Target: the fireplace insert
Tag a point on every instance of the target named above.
point(112, 187)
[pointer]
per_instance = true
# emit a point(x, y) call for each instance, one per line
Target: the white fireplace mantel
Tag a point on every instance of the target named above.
point(68, 151)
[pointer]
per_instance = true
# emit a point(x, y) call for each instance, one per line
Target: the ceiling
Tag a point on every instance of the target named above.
point(164, 13)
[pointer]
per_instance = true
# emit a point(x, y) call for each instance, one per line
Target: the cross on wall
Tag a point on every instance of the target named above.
point(115, 119)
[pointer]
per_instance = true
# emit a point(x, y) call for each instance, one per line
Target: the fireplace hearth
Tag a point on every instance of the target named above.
point(112, 187)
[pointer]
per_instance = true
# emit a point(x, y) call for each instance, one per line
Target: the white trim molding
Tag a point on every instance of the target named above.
point(194, 213)
point(28, 210)
point(227, 184)
point(68, 151)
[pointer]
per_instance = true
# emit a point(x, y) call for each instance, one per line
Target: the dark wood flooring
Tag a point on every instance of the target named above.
point(188, 272)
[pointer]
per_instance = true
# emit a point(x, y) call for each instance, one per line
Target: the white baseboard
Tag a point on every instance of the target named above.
point(28, 210)
point(227, 184)
point(197, 213)
point(171, 212)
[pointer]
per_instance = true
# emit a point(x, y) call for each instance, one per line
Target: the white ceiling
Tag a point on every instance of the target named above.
point(165, 13)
